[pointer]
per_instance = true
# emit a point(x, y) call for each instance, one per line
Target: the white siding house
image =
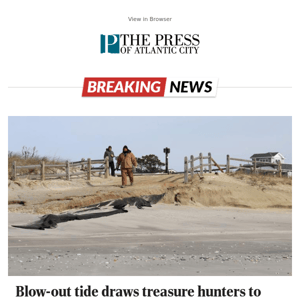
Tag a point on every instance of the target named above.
point(272, 157)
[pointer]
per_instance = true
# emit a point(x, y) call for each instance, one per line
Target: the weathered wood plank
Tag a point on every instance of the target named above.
point(192, 166)
point(106, 167)
point(28, 167)
point(78, 164)
point(43, 170)
point(228, 163)
point(209, 162)
point(185, 170)
point(81, 162)
point(216, 165)
point(89, 169)
point(97, 161)
point(201, 164)
point(214, 170)
point(241, 159)
point(55, 166)
point(280, 169)
point(38, 176)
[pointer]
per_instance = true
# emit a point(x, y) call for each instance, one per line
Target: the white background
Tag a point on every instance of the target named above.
point(57, 44)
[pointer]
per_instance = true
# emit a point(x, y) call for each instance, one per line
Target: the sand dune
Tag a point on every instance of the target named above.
point(244, 191)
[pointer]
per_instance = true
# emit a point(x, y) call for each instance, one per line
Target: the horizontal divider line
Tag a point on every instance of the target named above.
point(219, 87)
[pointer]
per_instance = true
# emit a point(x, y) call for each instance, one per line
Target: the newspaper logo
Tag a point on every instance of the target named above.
point(110, 43)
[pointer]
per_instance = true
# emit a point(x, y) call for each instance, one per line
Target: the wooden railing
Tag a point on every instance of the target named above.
point(252, 165)
point(210, 163)
point(86, 167)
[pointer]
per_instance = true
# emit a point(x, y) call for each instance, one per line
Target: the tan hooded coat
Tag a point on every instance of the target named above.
point(127, 161)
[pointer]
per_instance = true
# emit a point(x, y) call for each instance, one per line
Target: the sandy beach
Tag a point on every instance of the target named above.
point(202, 236)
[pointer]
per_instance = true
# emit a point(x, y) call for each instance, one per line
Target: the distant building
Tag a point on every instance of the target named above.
point(272, 157)
point(287, 170)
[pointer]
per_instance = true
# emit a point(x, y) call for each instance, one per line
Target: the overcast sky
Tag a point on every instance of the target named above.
point(74, 138)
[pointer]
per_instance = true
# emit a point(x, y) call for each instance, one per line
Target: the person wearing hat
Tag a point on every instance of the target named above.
point(126, 160)
point(108, 152)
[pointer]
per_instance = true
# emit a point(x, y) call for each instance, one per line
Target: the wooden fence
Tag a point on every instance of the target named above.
point(252, 165)
point(86, 166)
point(210, 163)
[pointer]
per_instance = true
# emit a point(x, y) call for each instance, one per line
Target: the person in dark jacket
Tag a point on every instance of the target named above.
point(111, 156)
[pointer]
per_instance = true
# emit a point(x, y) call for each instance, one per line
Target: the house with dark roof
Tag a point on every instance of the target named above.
point(272, 157)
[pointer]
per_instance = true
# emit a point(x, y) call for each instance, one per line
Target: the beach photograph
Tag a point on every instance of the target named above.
point(149, 196)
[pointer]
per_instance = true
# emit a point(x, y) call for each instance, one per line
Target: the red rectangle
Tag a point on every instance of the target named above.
point(124, 87)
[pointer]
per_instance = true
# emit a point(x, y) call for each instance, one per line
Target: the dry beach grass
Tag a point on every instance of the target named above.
point(35, 160)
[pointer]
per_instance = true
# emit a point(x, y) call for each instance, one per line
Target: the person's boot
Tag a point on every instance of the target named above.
point(131, 183)
point(122, 186)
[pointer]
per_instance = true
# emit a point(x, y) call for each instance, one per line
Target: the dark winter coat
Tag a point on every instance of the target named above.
point(109, 153)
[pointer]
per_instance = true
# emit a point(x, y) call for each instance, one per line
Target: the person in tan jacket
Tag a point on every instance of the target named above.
point(126, 160)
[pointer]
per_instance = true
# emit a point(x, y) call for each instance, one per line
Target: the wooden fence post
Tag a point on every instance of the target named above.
point(209, 162)
point(192, 166)
point(14, 171)
point(254, 164)
point(186, 170)
point(82, 165)
point(201, 164)
point(67, 170)
point(43, 170)
point(106, 167)
point(89, 170)
point(228, 164)
point(280, 169)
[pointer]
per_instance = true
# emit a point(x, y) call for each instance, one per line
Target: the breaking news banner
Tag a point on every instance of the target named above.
point(149, 87)
point(109, 292)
